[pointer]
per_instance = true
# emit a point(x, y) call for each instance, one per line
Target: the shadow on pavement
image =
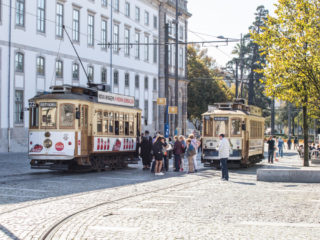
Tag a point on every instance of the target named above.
point(8, 233)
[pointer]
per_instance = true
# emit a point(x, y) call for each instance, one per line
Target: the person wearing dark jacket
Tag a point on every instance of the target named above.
point(177, 151)
point(146, 148)
point(271, 148)
point(158, 148)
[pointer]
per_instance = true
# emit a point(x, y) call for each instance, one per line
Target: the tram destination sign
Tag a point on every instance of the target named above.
point(48, 104)
point(117, 99)
point(221, 118)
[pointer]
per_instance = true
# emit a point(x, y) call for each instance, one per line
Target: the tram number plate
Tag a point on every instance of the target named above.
point(221, 118)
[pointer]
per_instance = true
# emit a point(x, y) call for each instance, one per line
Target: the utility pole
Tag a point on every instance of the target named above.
point(166, 77)
point(237, 78)
point(176, 83)
point(9, 76)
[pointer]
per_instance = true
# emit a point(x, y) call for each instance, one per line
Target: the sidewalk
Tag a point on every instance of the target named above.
point(289, 169)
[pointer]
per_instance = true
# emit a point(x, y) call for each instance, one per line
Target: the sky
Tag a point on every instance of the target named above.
point(228, 18)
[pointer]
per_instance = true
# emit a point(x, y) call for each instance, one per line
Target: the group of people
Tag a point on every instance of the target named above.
point(157, 151)
point(276, 145)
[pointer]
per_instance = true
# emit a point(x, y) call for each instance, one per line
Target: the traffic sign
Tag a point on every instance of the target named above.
point(166, 130)
point(162, 101)
point(173, 110)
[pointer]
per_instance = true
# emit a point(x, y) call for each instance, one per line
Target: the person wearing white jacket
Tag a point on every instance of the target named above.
point(224, 154)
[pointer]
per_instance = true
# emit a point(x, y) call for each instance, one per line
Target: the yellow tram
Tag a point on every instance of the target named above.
point(82, 128)
point(243, 126)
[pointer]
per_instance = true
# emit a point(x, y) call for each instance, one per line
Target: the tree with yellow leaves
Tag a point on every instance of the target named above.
point(291, 43)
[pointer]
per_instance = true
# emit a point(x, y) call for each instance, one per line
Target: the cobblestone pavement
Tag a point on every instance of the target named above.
point(142, 206)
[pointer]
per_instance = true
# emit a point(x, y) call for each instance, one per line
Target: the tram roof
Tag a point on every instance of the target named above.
point(74, 96)
point(226, 112)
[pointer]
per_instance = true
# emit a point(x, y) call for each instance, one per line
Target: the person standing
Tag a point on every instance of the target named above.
point(271, 146)
point(146, 147)
point(195, 145)
point(289, 143)
point(184, 147)
point(158, 155)
point(177, 151)
point(224, 154)
point(190, 152)
point(280, 147)
point(296, 143)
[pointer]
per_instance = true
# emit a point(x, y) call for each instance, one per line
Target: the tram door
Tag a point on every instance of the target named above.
point(84, 130)
point(245, 158)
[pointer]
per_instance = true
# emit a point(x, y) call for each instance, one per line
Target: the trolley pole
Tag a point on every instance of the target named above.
point(176, 85)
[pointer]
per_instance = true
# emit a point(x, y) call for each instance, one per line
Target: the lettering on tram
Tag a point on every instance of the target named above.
point(82, 128)
point(243, 126)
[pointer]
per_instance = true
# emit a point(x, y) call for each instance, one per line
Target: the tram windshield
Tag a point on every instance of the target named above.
point(48, 115)
point(67, 115)
point(221, 126)
point(235, 127)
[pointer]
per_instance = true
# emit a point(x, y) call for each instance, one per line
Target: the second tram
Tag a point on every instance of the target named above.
point(243, 126)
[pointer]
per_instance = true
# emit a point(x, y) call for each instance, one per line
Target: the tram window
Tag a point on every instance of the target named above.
point(105, 122)
point(126, 125)
point(111, 121)
point(34, 117)
point(121, 124)
point(116, 127)
point(67, 115)
point(221, 127)
point(48, 115)
point(256, 129)
point(86, 117)
point(235, 127)
point(208, 127)
point(131, 124)
point(99, 122)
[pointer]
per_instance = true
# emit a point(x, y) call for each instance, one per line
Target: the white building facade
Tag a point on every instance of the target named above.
point(41, 54)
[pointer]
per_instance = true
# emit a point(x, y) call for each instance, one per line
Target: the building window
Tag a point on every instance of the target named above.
point(155, 22)
point(104, 34)
point(181, 57)
point(146, 111)
point(137, 46)
point(146, 48)
point(127, 9)
point(146, 18)
point(75, 71)
point(155, 50)
point(116, 5)
point(126, 80)
point(19, 107)
point(116, 38)
point(136, 102)
point(137, 17)
point(155, 110)
point(146, 83)
point(181, 32)
point(104, 75)
point(59, 69)
point(90, 30)
point(75, 25)
point(155, 84)
point(20, 11)
point(90, 73)
point(116, 78)
point(104, 3)
point(40, 66)
point(19, 62)
point(41, 16)
point(127, 41)
point(59, 20)
point(137, 81)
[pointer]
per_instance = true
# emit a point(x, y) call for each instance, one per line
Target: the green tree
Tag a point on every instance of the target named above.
point(290, 41)
point(249, 60)
point(206, 83)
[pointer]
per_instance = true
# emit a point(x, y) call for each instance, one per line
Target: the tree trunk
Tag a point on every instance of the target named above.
point(305, 136)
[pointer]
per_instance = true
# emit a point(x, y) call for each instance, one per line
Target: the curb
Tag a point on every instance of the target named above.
point(288, 175)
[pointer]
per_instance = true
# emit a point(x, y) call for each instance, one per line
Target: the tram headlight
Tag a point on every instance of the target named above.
point(47, 143)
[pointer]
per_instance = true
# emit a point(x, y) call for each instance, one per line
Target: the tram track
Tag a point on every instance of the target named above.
point(50, 233)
